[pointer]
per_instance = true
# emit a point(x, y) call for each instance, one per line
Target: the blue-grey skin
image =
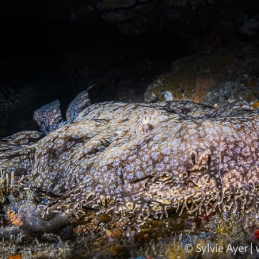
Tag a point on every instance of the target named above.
point(141, 159)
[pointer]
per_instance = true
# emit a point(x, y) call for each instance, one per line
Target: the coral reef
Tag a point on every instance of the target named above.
point(214, 77)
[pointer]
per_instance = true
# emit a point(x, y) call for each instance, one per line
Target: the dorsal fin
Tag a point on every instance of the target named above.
point(48, 117)
point(77, 105)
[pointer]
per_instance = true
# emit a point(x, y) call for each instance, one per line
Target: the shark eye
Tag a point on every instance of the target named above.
point(146, 119)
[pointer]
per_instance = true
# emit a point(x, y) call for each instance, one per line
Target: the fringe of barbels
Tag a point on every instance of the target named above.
point(135, 210)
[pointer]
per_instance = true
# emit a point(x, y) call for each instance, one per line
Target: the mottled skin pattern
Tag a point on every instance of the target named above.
point(16, 152)
point(49, 116)
point(141, 159)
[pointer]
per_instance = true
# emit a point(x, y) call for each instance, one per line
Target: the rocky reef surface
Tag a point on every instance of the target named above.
point(213, 78)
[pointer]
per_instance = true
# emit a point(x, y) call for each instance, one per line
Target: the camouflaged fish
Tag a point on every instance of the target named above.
point(141, 159)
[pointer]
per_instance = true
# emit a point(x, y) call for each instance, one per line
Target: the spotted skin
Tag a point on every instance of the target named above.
point(49, 117)
point(17, 152)
point(77, 105)
point(142, 159)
